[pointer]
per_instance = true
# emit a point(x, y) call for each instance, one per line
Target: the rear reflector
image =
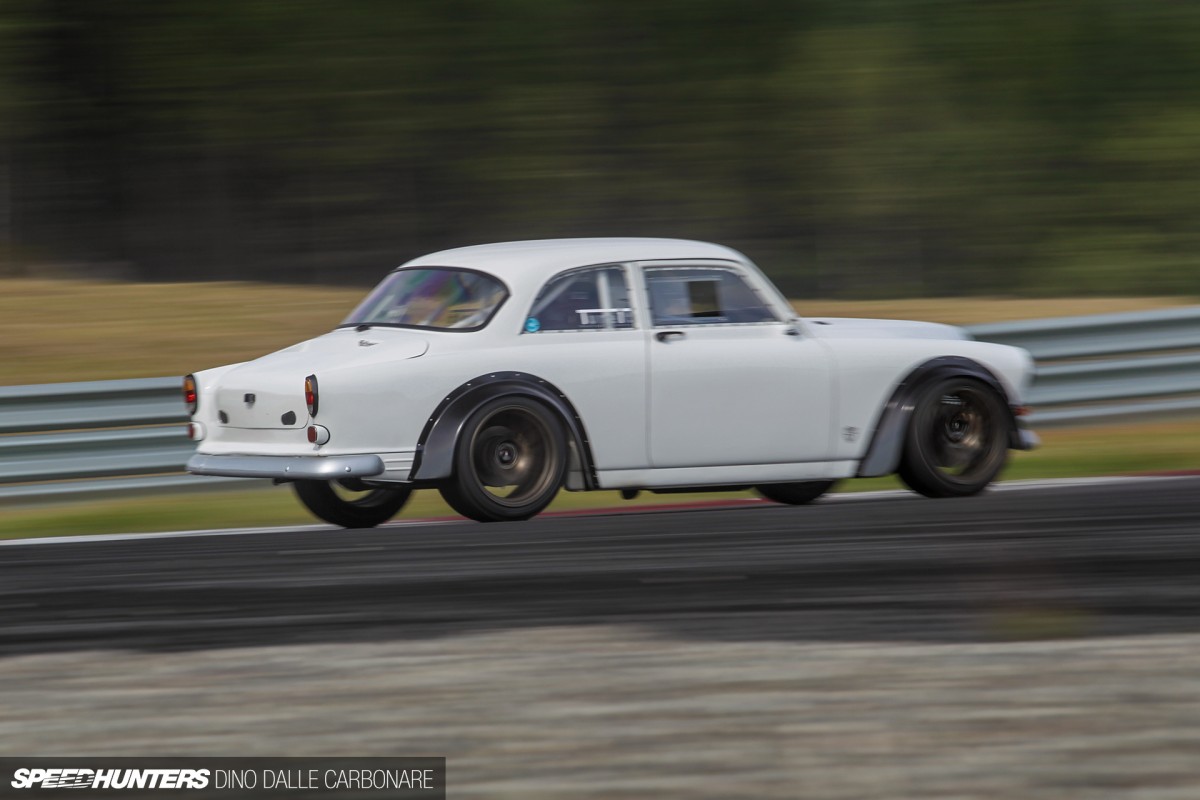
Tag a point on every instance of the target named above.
point(318, 434)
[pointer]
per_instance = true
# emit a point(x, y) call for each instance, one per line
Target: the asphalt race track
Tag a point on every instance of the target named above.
point(1124, 557)
point(858, 644)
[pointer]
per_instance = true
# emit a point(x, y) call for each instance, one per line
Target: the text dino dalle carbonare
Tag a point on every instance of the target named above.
point(293, 779)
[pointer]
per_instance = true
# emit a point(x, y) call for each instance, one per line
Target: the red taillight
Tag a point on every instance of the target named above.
point(190, 398)
point(311, 396)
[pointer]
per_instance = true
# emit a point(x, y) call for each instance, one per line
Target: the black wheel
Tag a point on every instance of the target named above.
point(350, 503)
point(795, 494)
point(509, 462)
point(957, 440)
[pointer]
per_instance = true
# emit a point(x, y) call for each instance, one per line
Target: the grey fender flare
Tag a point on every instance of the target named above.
point(887, 443)
point(434, 460)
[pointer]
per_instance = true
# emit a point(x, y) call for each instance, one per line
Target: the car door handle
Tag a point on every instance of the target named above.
point(667, 336)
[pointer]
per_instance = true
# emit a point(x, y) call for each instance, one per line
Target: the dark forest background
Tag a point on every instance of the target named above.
point(851, 147)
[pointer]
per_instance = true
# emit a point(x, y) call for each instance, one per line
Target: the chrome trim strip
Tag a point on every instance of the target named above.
point(321, 468)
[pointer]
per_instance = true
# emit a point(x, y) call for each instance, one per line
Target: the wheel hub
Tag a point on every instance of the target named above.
point(956, 430)
point(502, 455)
point(506, 455)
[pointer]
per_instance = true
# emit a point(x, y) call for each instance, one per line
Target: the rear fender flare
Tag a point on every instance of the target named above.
point(887, 443)
point(434, 460)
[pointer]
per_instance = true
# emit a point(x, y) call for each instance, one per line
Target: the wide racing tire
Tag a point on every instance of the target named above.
point(957, 439)
point(509, 462)
point(342, 503)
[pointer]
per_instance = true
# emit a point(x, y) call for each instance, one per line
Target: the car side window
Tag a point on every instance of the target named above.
point(703, 296)
point(596, 298)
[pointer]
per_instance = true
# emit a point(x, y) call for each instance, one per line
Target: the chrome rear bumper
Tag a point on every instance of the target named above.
point(316, 468)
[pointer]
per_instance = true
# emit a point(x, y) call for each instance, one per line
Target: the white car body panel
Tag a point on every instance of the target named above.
point(751, 414)
point(730, 403)
point(855, 328)
point(864, 388)
point(727, 475)
point(608, 380)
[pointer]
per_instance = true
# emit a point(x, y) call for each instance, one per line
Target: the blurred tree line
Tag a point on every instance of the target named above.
point(863, 148)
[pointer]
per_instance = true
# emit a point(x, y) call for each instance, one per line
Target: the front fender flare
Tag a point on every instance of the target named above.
point(434, 460)
point(887, 443)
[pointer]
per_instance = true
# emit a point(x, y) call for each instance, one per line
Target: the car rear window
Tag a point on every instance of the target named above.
point(432, 298)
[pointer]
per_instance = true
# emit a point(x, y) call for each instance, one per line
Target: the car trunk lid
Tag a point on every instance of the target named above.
point(269, 392)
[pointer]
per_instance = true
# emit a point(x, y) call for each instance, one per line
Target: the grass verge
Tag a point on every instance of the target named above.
point(1079, 452)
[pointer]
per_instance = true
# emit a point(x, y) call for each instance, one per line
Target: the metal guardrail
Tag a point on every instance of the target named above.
point(105, 438)
point(1099, 334)
point(97, 439)
point(1108, 367)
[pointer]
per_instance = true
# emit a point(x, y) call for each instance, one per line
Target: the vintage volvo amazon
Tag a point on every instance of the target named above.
point(501, 373)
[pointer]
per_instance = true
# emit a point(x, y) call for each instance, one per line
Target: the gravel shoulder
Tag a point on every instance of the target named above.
point(614, 711)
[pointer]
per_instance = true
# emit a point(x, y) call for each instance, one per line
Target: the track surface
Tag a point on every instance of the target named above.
point(1119, 558)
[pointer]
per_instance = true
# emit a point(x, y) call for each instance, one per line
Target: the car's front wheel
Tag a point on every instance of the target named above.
point(795, 494)
point(510, 461)
point(957, 439)
point(349, 503)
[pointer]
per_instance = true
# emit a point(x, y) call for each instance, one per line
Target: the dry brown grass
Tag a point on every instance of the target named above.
point(74, 330)
point(80, 330)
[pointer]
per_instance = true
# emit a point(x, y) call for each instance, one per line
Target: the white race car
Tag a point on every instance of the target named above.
point(501, 373)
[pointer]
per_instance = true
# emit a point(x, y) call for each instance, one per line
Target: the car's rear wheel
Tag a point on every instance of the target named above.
point(350, 503)
point(510, 461)
point(795, 494)
point(957, 440)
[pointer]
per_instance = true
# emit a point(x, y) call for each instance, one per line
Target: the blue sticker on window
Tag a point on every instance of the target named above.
point(532, 325)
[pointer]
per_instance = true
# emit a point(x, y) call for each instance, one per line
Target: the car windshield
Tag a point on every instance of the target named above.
point(439, 298)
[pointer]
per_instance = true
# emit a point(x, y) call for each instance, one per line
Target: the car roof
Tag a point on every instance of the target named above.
point(540, 258)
